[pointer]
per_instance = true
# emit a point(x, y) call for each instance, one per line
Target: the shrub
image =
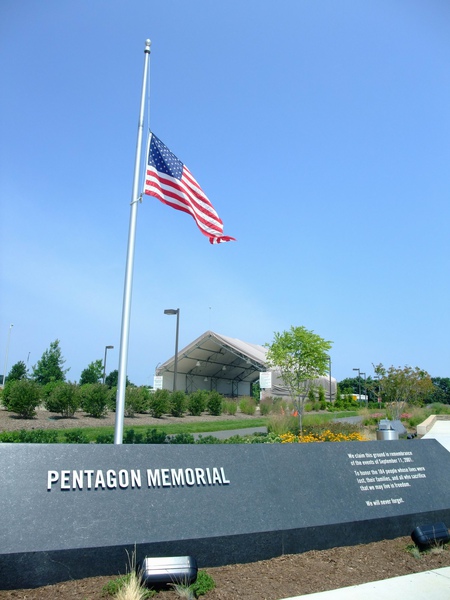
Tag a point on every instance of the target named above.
point(214, 403)
point(438, 408)
point(24, 398)
point(94, 399)
point(208, 439)
point(63, 399)
point(153, 436)
point(182, 438)
point(279, 407)
point(265, 408)
point(159, 403)
point(105, 438)
point(76, 436)
point(178, 404)
point(247, 406)
point(321, 394)
point(49, 388)
point(137, 400)
point(36, 436)
point(203, 584)
point(130, 437)
point(197, 402)
point(111, 400)
point(6, 392)
point(229, 407)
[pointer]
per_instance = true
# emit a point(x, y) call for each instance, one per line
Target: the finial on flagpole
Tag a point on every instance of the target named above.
point(148, 43)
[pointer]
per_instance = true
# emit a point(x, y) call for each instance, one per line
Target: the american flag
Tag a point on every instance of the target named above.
point(171, 182)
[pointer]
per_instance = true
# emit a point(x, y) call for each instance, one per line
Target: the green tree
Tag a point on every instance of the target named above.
point(355, 385)
point(301, 356)
point(18, 371)
point(112, 379)
point(311, 396)
point(321, 396)
point(92, 373)
point(349, 385)
point(399, 385)
point(440, 393)
point(50, 366)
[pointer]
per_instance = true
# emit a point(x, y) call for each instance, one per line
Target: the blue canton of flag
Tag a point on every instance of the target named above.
point(169, 180)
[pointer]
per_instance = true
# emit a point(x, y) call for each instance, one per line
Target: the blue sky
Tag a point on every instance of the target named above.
point(320, 131)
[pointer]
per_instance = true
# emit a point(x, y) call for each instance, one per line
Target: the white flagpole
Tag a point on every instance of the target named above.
point(126, 308)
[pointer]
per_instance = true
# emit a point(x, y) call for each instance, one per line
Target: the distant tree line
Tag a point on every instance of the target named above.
point(399, 384)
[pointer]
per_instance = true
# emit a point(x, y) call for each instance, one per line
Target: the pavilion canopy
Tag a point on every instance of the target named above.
point(228, 365)
point(217, 356)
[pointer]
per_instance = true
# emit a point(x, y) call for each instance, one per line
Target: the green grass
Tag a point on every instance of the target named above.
point(172, 428)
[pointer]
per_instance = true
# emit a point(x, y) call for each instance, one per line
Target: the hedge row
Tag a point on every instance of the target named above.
point(24, 396)
point(150, 436)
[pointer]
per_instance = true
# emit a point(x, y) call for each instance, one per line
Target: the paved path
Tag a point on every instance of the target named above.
point(223, 435)
point(351, 420)
point(429, 585)
point(440, 432)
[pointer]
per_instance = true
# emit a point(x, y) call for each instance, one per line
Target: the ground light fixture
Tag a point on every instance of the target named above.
point(169, 570)
point(175, 311)
point(430, 535)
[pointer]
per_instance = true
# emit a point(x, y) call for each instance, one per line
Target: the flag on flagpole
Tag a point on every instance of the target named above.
point(169, 180)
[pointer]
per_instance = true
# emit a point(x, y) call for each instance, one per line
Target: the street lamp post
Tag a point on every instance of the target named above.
point(175, 311)
point(359, 384)
point(365, 389)
point(6, 355)
point(104, 362)
point(329, 360)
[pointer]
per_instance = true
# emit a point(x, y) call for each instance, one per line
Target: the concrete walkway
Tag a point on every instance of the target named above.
point(429, 585)
point(440, 432)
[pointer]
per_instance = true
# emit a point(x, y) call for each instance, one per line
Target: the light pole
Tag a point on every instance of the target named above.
point(104, 362)
point(359, 383)
point(329, 360)
point(365, 387)
point(175, 311)
point(6, 355)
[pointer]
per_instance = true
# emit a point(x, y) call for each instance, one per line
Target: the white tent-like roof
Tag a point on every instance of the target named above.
point(229, 365)
point(214, 358)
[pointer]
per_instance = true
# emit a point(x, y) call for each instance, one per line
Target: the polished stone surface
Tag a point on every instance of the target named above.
point(73, 510)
